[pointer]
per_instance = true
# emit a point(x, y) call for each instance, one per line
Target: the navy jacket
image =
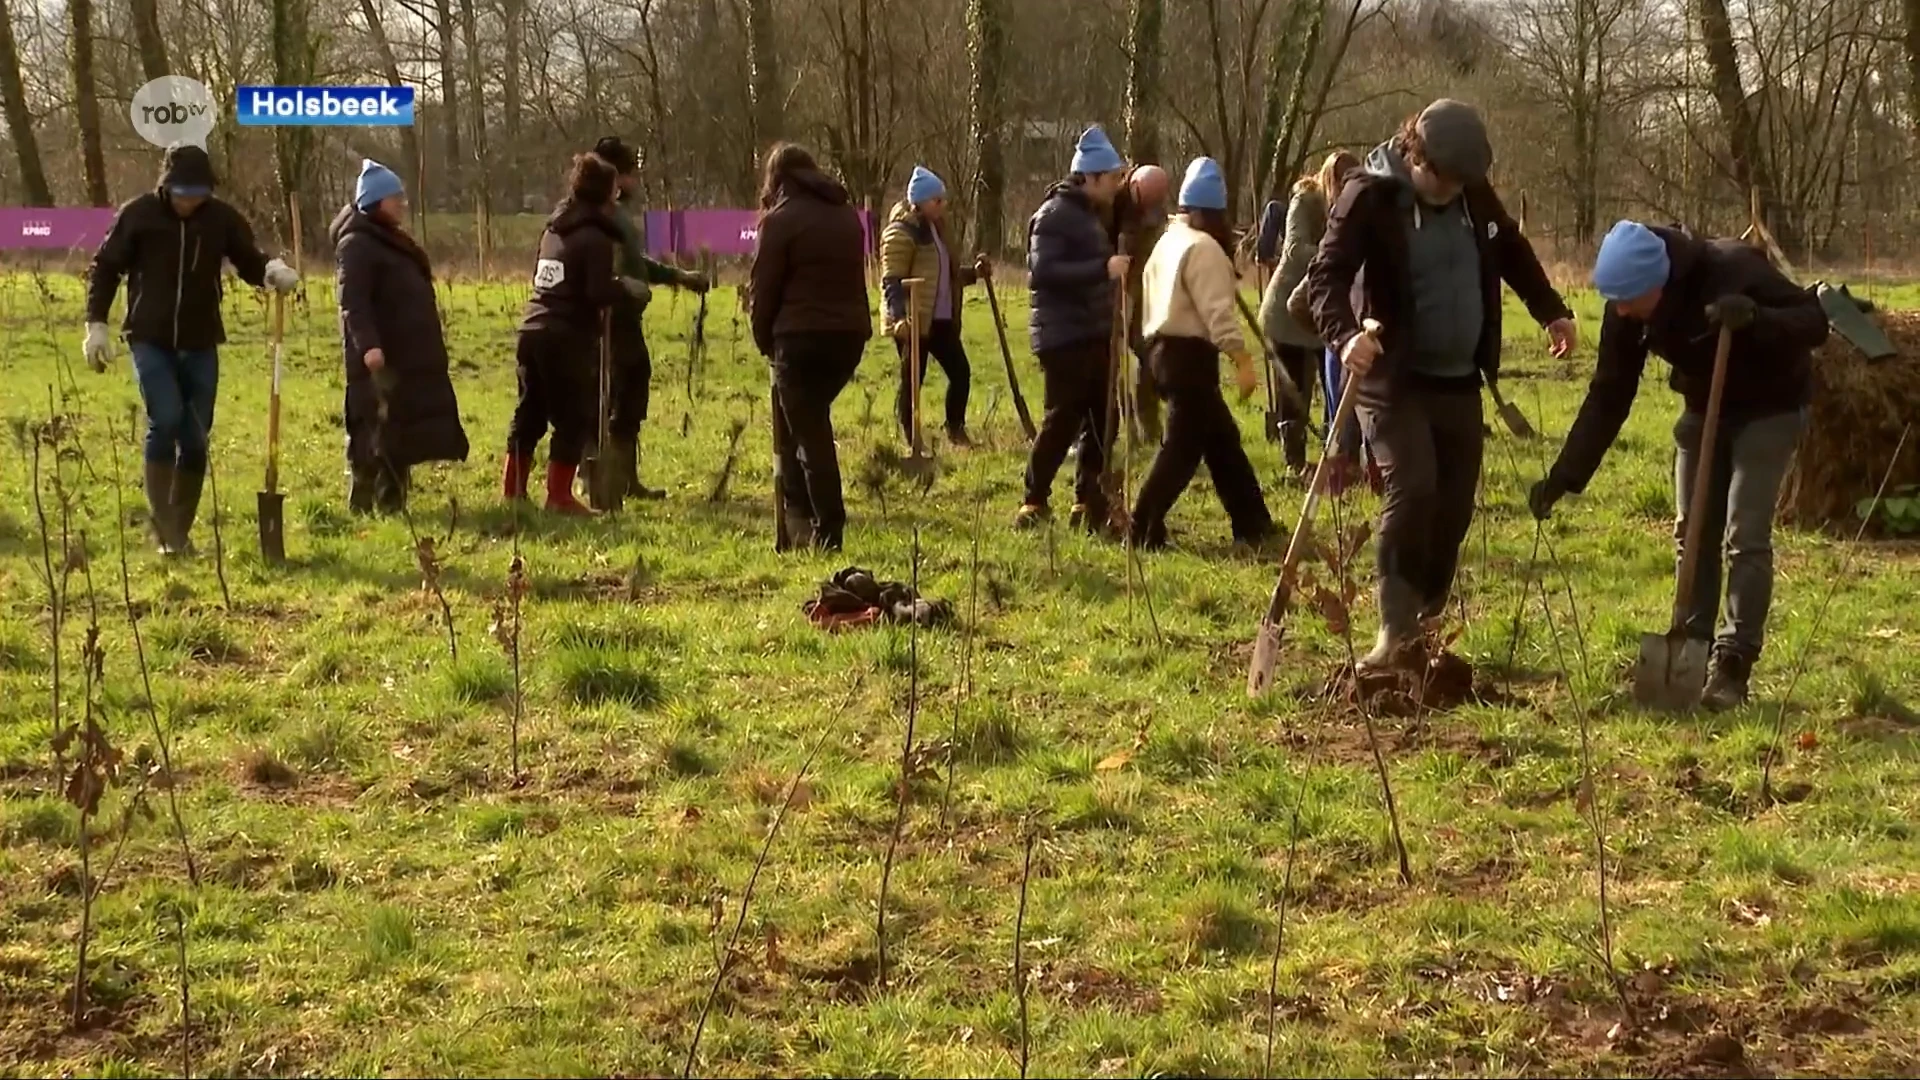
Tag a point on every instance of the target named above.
point(1067, 253)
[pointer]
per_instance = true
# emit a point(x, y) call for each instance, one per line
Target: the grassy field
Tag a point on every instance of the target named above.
point(379, 896)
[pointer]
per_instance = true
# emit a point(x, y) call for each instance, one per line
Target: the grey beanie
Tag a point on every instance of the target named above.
point(1456, 140)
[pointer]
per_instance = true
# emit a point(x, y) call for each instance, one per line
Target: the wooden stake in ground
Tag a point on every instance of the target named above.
point(270, 501)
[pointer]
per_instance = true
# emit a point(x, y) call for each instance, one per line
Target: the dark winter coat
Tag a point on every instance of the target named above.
point(1769, 370)
point(574, 276)
point(1068, 246)
point(810, 264)
point(172, 267)
point(1361, 270)
point(387, 303)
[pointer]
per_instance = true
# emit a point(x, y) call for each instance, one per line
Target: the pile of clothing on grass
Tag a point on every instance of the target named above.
point(854, 598)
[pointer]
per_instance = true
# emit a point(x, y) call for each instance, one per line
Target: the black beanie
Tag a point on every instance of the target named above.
point(187, 166)
point(617, 154)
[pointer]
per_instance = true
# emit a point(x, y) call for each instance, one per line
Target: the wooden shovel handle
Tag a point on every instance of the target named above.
point(1702, 476)
point(914, 286)
point(277, 333)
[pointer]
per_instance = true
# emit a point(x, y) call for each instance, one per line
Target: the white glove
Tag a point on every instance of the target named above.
point(97, 347)
point(280, 276)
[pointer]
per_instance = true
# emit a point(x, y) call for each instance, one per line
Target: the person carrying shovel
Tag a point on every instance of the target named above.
point(1434, 242)
point(1671, 294)
point(914, 245)
point(168, 244)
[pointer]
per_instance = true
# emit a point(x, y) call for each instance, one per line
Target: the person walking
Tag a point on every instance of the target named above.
point(1419, 241)
point(1190, 318)
point(1297, 346)
point(575, 286)
point(632, 361)
point(168, 244)
point(914, 245)
point(1670, 294)
point(1073, 274)
point(811, 321)
point(400, 406)
point(1138, 217)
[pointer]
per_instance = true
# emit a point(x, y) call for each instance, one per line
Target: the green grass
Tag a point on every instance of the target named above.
point(381, 894)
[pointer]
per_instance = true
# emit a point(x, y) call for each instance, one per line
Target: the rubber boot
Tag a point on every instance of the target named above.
point(186, 504)
point(390, 487)
point(560, 498)
point(160, 506)
point(959, 438)
point(513, 476)
point(1399, 626)
point(635, 489)
point(360, 488)
point(1293, 442)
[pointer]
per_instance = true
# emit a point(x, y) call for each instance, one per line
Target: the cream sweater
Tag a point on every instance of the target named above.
point(1188, 290)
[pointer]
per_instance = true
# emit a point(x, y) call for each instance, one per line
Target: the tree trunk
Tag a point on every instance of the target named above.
point(514, 14)
point(1749, 167)
point(1268, 181)
point(1911, 10)
point(390, 67)
point(86, 99)
point(33, 178)
point(153, 47)
point(1290, 149)
point(987, 46)
point(1142, 128)
point(449, 93)
point(293, 145)
point(766, 105)
point(470, 37)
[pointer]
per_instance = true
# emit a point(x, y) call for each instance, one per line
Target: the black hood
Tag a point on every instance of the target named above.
point(186, 165)
point(571, 215)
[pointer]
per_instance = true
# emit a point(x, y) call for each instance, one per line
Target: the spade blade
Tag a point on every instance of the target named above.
point(1670, 672)
point(272, 513)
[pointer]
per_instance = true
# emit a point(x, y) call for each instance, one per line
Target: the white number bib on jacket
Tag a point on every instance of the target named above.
point(548, 273)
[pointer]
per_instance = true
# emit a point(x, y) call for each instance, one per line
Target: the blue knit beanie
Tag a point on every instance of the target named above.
point(924, 186)
point(1204, 188)
point(1095, 153)
point(376, 183)
point(1632, 262)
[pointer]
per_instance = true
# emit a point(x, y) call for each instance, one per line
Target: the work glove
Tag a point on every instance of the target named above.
point(280, 276)
point(97, 347)
point(1244, 375)
point(1542, 496)
point(694, 281)
point(982, 267)
point(636, 288)
point(1734, 311)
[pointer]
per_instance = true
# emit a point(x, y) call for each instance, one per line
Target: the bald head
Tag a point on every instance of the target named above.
point(1149, 185)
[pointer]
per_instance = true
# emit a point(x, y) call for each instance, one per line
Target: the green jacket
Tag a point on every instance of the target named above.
point(632, 261)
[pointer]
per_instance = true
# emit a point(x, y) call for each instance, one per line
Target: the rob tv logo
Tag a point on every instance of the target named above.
point(316, 106)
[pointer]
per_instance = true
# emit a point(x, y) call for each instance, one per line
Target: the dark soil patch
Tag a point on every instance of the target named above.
point(847, 980)
point(1423, 685)
point(1083, 986)
point(1345, 741)
point(1823, 1019)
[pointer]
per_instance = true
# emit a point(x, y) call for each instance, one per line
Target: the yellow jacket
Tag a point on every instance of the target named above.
point(907, 251)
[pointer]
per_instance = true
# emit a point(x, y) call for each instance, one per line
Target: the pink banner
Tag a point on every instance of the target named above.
point(63, 227)
point(726, 233)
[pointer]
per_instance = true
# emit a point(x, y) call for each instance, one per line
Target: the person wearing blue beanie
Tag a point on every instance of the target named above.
point(377, 184)
point(1094, 154)
point(1673, 295)
point(1203, 188)
point(1632, 266)
point(914, 245)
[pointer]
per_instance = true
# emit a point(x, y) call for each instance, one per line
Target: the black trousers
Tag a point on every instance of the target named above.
point(1076, 379)
point(632, 383)
point(809, 371)
point(1302, 365)
point(1429, 443)
point(942, 342)
point(559, 388)
point(1200, 427)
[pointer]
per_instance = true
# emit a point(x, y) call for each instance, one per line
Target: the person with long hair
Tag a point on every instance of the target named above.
point(1297, 346)
point(811, 322)
point(915, 244)
point(400, 406)
point(1190, 318)
point(1419, 242)
point(1074, 273)
point(575, 283)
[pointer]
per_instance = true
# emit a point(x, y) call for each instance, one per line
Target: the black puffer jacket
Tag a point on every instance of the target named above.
point(1067, 253)
point(172, 263)
point(574, 277)
point(810, 264)
point(387, 303)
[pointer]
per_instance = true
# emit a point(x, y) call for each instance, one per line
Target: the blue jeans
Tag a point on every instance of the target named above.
point(1333, 377)
point(178, 386)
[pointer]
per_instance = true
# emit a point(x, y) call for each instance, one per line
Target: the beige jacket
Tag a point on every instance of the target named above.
point(1188, 290)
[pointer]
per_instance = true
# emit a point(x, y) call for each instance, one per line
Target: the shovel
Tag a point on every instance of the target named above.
point(1672, 668)
point(1006, 355)
point(606, 486)
point(271, 502)
point(1266, 646)
point(1510, 413)
point(919, 463)
point(1279, 383)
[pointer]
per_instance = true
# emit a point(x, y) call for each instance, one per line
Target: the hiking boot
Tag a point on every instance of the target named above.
point(1077, 516)
point(360, 488)
point(160, 506)
point(1726, 684)
point(1399, 627)
point(1031, 515)
point(1293, 440)
point(800, 531)
point(959, 438)
point(186, 504)
point(513, 476)
point(560, 498)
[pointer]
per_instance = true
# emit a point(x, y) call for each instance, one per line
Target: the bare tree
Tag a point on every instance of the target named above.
point(153, 47)
point(513, 17)
point(33, 178)
point(987, 46)
point(86, 101)
point(1747, 163)
point(767, 107)
point(1141, 126)
point(293, 145)
point(449, 92)
point(390, 67)
point(476, 84)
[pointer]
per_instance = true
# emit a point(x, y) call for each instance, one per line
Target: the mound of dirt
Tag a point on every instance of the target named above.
point(1423, 684)
point(1858, 411)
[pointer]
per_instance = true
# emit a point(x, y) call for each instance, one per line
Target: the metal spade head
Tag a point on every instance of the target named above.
point(272, 513)
point(1670, 672)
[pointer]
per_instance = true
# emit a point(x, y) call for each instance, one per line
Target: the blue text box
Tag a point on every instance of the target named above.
point(317, 106)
